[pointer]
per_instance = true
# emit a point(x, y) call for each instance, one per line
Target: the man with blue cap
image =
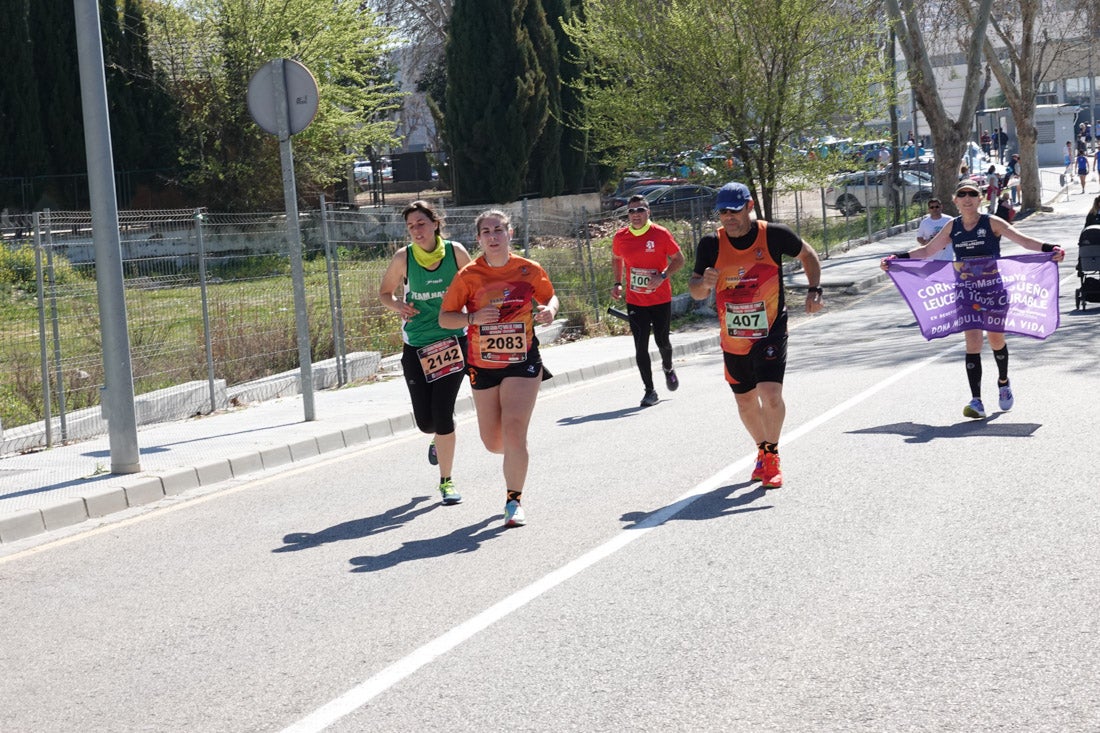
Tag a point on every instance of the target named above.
point(742, 262)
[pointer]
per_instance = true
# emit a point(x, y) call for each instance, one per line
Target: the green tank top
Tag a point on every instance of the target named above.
point(425, 291)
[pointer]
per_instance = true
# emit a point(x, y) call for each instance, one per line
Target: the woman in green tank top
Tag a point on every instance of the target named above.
point(434, 358)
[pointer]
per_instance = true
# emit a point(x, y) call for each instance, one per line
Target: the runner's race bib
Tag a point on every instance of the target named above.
point(640, 280)
point(747, 320)
point(503, 343)
point(441, 358)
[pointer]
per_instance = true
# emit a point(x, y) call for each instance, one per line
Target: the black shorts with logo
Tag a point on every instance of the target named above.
point(530, 368)
point(765, 362)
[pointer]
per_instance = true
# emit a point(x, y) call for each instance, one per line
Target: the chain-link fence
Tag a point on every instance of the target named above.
point(210, 303)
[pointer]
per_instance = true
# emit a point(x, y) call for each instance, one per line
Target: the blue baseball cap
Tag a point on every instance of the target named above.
point(734, 196)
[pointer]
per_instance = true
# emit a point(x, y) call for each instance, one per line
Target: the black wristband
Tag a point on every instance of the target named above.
point(817, 290)
point(902, 255)
point(1048, 247)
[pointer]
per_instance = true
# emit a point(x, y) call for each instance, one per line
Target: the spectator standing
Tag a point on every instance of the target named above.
point(931, 225)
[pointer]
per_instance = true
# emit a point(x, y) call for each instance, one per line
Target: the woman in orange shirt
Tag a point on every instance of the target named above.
point(500, 297)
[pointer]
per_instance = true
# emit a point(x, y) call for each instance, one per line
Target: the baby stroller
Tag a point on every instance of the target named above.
point(1088, 267)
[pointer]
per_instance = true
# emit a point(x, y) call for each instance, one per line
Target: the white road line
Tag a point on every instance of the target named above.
point(366, 691)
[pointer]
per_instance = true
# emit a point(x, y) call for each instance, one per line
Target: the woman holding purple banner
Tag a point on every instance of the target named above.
point(974, 234)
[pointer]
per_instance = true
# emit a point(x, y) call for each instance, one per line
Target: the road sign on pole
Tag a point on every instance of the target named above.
point(282, 98)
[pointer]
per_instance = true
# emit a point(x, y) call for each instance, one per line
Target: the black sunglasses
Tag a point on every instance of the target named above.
point(968, 192)
point(637, 210)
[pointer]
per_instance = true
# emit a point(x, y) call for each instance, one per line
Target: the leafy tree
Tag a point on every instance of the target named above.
point(757, 76)
point(496, 100)
point(211, 50)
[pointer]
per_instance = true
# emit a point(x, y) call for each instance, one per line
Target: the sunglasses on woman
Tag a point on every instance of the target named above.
point(968, 193)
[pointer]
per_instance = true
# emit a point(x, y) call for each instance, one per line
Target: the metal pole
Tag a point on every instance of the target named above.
point(333, 301)
point(118, 394)
point(207, 336)
point(294, 240)
point(62, 408)
point(43, 347)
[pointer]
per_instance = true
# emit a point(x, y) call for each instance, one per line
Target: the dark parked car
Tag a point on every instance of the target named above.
point(643, 189)
point(677, 202)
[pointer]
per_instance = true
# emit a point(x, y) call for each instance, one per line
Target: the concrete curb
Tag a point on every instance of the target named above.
point(145, 489)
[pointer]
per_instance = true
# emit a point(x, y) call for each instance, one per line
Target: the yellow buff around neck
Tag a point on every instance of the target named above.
point(640, 232)
point(429, 259)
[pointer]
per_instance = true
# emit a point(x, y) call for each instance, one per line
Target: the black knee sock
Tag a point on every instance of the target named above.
point(1001, 355)
point(974, 374)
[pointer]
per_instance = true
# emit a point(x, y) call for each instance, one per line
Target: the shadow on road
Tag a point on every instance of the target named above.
point(357, 528)
point(598, 416)
point(921, 433)
point(722, 502)
point(464, 539)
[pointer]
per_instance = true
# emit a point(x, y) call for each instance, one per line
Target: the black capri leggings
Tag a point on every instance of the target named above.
point(433, 403)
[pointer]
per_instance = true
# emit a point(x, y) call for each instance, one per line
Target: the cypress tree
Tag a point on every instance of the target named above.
point(496, 103)
point(545, 165)
point(156, 113)
point(52, 27)
point(23, 152)
point(574, 140)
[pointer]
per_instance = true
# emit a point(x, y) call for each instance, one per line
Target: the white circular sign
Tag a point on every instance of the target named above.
point(301, 96)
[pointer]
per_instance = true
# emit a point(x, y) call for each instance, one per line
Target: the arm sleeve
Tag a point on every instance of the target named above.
point(783, 241)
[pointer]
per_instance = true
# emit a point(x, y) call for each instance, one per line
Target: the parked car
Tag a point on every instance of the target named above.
point(673, 202)
point(620, 200)
point(854, 192)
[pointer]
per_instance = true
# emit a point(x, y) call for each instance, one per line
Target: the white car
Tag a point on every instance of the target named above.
point(854, 192)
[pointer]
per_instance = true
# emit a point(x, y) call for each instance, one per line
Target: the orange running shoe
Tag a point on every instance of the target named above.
point(773, 477)
point(758, 472)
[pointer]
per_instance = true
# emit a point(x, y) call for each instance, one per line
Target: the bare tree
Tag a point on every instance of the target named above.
point(949, 135)
point(1030, 48)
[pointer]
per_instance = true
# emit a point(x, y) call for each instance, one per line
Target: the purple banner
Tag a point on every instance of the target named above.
point(1017, 294)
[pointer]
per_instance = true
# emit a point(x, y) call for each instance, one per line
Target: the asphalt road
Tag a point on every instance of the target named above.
point(918, 570)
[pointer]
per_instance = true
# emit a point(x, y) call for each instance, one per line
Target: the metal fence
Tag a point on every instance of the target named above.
point(210, 301)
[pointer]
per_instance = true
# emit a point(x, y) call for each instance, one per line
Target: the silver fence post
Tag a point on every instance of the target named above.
point(207, 336)
point(867, 202)
point(335, 303)
point(56, 323)
point(526, 228)
point(824, 224)
point(591, 267)
point(43, 347)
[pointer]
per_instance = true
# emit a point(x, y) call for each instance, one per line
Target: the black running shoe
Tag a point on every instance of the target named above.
point(671, 381)
point(650, 398)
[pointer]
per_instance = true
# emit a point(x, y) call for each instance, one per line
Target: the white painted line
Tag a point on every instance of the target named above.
point(363, 693)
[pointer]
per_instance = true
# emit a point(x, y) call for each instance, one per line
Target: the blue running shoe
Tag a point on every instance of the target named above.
point(1005, 395)
point(513, 514)
point(447, 491)
point(974, 409)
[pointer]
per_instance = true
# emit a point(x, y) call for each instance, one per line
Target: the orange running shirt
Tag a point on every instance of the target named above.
point(749, 292)
point(514, 289)
point(645, 254)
